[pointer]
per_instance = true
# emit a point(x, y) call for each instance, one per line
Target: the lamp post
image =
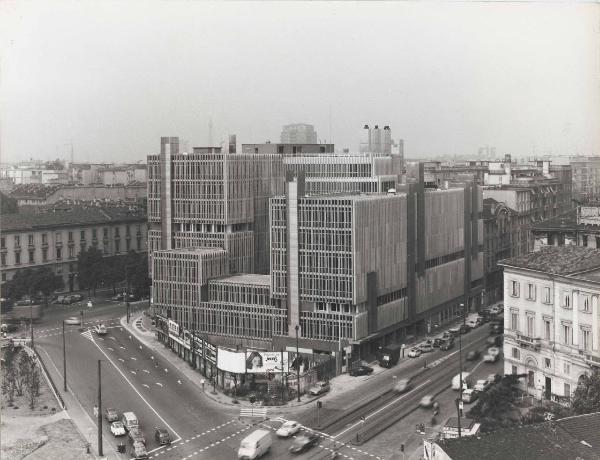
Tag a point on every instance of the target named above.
point(297, 362)
point(460, 381)
point(31, 322)
point(64, 358)
point(99, 415)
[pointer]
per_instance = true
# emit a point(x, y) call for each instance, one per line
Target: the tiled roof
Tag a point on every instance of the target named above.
point(33, 191)
point(571, 438)
point(70, 216)
point(558, 260)
point(566, 221)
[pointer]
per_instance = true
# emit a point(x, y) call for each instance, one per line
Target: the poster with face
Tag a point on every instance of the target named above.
point(266, 361)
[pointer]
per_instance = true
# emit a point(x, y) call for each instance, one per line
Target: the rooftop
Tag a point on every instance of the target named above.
point(33, 191)
point(68, 216)
point(569, 438)
point(558, 260)
point(247, 278)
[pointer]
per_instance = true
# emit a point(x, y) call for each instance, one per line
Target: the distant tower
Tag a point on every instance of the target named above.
point(298, 133)
point(210, 132)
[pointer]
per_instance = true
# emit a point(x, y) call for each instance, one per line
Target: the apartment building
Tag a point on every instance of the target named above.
point(298, 133)
point(586, 178)
point(55, 237)
point(552, 318)
point(579, 227)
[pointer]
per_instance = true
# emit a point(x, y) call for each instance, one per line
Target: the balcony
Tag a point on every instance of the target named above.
point(528, 342)
point(592, 360)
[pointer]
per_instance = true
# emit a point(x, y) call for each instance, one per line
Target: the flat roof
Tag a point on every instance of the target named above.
point(246, 278)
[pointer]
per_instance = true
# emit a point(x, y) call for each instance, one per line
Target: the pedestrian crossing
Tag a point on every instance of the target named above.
point(88, 335)
point(253, 412)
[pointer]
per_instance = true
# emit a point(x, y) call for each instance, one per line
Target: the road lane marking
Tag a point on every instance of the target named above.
point(111, 349)
point(133, 372)
point(360, 422)
point(144, 370)
point(121, 359)
point(135, 359)
point(137, 392)
point(159, 384)
point(122, 348)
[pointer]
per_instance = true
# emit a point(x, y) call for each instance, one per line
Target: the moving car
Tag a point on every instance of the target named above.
point(456, 381)
point(403, 385)
point(469, 395)
point(464, 329)
point(414, 353)
point(138, 450)
point(111, 415)
point(117, 429)
point(319, 388)
point(100, 329)
point(495, 341)
point(361, 369)
point(288, 429)
point(73, 321)
point(304, 442)
point(492, 355)
point(427, 401)
point(426, 347)
point(136, 435)
point(482, 385)
point(473, 355)
point(255, 445)
point(161, 435)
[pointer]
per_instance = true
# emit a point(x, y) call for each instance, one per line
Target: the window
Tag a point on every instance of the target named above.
point(516, 354)
point(127, 231)
point(567, 390)
point(514, 320)
point(567, 334)
point(3, 256)
point(280, 149)
point(547, 298)
point(127, 245)
point(584, 240)
point(547, 363)
point(117, 232)
point(59, 253)
point(30, 238)
point(17, 258)
point(514, 288)
point(82, 235)
point(531, 379)
point(586, 339)
point(513, 370)
point(3, 243)
point(44, 254)
point(530, 326)
point(70, 236)
point(566, 368)
point(585, 306)
point(3, 277)
point(105, 232)
point(17, 241)
point(530, 291)
point(31, 255)
point(547, 329)
point(139, 244)
point(94, 233)
point(566, 300)
point(117, 246)
point(58, 237)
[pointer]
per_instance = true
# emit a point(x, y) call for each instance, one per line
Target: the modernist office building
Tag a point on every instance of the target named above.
point(349, 269)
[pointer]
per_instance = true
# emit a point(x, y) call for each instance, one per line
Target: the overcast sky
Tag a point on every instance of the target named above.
point(111, 78)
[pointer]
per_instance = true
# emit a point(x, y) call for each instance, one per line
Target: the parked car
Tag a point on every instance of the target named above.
point(361, 369)
point(473, 355)
point(138, 450)
point(448, 344)
point(414, 353)
point(482, 385)
point(464, 329)
point(100, 329)
point(427, 401)
point(403, 385)
point(493, 378)
point(73, 321)
point(161, 436)
point(111, 415)
point(454, 332)
point(136, 435)
point(130, 420)
point(469, 395)
point(438, 342)
point(304, 442)
point(117, 428)
point(288, 429)
point(9, 327)
point(319, 388)
point(465, 381)
point(426, 347)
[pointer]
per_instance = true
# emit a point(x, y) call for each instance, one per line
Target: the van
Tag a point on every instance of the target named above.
point(129, 420)
point(255, 445)
point(469, 395)
point(456, 381)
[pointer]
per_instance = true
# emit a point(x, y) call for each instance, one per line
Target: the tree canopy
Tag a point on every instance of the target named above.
point(33, 281)
point(587, 394)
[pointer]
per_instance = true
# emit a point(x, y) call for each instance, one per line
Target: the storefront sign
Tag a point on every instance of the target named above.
point(210, 352)
point(173, 329)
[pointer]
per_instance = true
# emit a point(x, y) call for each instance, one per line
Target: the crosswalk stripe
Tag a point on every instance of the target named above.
point(87, 334)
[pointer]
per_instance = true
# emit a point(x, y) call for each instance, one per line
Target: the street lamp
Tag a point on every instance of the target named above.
point(460, 380)
point(64, 358)
point(297, 363)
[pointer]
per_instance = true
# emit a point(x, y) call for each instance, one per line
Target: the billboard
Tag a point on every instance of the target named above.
point(231, 361)
point(258, 362)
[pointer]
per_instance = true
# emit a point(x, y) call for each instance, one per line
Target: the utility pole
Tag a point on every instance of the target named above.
point(297, 363)
point(100, 453)
point(460, 381)
point(64, 359)
point(31, 321)
point(282, 374)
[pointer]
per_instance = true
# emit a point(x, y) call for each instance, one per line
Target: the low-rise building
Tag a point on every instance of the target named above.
point(55, 237)
point(552, 319)
point(579, 227)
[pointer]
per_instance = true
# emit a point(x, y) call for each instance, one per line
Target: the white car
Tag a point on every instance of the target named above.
point(288, 429)
point(492, 355)
point(427, 401)
point(117, 429)
point(73, 320)
point(414, 353)
point(482, 385)
point(100, 329)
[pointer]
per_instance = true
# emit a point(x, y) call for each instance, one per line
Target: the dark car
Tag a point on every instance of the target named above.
point(111, 415)
point(136, 435)
point(473, 355)
point(138, 450)
point(464, 329)
point(363, 369)
point(438, 342)
point(495, 341)
point(162, 436)
point(304, 442)
point(496, 328)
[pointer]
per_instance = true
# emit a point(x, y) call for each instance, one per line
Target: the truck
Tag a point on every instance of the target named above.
point(389, 355)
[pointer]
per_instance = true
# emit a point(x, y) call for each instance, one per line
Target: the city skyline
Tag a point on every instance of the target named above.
point(111, 82)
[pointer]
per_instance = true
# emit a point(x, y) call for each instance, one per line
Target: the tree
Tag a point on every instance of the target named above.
point(33, 383)
point(113, 271)
point(90, 268)
point(8, 205)
point(137, 273)
point(19, 285)
point(33, 281)
point(22, 373)
point(46, 282)
point(587, 394)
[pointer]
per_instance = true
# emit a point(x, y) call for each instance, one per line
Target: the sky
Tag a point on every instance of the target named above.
point(111, 78)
